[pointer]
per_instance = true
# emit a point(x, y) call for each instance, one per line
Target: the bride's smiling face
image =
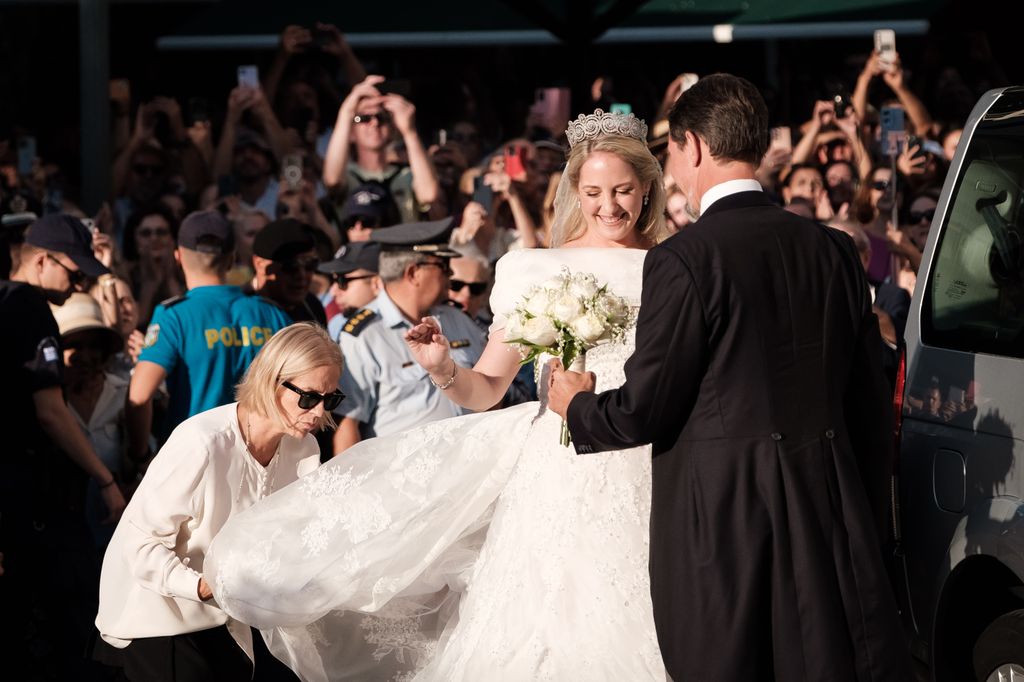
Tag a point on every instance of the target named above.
point(611, 198)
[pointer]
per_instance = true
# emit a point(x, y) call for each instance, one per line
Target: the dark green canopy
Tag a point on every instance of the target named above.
point(233, 24)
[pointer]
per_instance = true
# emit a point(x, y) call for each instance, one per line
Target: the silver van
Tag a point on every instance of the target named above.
point(959, 513)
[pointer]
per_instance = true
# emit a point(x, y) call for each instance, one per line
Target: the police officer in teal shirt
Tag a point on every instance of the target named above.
point(201, 342)
point(386, 391)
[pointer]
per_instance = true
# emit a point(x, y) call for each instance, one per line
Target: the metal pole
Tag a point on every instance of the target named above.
point(894, 260)
point(94, 98)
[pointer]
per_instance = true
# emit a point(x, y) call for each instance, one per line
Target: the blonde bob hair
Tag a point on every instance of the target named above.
point(568, 222)
point(290, 353)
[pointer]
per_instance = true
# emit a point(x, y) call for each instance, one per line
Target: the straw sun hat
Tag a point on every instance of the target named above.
point(81, 313)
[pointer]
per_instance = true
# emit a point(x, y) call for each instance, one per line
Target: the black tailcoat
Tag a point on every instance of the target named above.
point(757, 377)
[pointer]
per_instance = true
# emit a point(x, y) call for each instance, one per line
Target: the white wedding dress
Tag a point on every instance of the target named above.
point(474, 548)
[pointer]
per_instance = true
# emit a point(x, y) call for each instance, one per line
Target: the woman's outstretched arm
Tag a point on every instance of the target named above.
point(479, 388)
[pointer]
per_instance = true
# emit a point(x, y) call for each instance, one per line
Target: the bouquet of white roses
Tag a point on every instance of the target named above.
point(565, 317)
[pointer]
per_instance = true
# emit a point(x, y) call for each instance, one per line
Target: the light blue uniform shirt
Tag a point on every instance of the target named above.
point(386, 391)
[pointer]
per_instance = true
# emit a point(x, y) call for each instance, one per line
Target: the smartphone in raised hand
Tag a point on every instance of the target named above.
point(553, 106)
point(198, 110)
point(893, 130)
point(291, 171)
point(782, 138)
point(396, 86)
point(885, 46)
point(249, 76)
point(515, 163)
point(26, 155)
point(483, 194)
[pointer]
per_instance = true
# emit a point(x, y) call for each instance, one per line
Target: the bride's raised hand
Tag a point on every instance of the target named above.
point(428, 345)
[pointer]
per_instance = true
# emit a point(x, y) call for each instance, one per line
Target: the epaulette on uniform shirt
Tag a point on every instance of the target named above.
point(359, 321)
point(173, 300)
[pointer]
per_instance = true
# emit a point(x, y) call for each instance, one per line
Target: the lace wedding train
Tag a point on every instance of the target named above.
point(475, 548)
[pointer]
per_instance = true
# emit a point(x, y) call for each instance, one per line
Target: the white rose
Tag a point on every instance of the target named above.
point(588, 327)
point(540, 331)
point(513, 327)
point(566, 307)
point(617, 309)
point(583, 287)
point(538, 303)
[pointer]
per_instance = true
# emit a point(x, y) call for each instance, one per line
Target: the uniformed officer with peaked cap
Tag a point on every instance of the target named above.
point(387, 392)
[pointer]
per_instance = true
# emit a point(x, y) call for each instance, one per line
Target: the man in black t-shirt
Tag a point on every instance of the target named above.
point(49, 585)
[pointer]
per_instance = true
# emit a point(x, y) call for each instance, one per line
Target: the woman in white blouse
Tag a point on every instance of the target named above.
point(155, 608)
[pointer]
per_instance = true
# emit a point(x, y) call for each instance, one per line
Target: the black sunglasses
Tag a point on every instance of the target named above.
point(475, 288)
point(292, 267)
point(75, 277)
point(310, 399)
point(918, 216)
point(880, 185)
point(383, 118)
point(343, 281)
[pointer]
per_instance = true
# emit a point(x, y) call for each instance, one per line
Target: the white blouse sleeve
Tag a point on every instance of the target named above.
point(165, 502)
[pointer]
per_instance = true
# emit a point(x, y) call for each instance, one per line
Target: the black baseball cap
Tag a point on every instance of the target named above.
point(206, 232)
point(283, 239)
point(367, 201)
point(428, 237)
point(352, 257)
point(64, 233)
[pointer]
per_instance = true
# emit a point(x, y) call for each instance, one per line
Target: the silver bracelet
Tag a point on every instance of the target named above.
point(451, 380)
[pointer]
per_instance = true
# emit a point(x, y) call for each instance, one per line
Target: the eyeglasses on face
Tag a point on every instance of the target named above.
point(382, 118)
point(442, 265)
point(310, 399)
point(293, 267)
point(919, 216)
point(475, 288)
point(880, 185)
point(343, 281)
point(75, 277)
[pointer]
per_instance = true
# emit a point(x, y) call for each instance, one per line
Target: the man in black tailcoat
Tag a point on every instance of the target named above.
point(757, 379)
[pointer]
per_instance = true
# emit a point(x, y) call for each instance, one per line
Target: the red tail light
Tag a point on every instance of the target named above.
point(897, 394)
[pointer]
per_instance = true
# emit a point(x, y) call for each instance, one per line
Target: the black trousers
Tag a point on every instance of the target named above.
point(192, 657)
point(204, 656)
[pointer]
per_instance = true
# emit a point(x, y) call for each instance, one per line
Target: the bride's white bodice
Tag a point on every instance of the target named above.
point(620, 269)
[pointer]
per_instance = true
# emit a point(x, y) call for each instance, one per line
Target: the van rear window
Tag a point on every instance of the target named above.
point(974, 300)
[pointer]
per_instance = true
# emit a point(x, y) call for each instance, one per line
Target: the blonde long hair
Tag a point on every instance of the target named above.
point(568, 222)
point(290, 353)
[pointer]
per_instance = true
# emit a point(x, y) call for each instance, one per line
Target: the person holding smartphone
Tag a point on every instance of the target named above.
point(367, 121)
point(917, 114)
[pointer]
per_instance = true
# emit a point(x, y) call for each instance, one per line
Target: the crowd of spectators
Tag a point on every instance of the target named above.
point(278, 210)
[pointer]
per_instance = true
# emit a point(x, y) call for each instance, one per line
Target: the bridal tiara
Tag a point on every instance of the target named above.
point(599, 123)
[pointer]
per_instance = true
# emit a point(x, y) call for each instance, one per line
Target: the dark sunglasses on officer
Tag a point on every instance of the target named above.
point(344, 280)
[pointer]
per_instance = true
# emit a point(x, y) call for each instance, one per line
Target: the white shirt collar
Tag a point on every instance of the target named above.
point(724, 189)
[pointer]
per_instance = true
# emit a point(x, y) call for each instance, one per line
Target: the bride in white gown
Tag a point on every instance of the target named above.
point(476, 548)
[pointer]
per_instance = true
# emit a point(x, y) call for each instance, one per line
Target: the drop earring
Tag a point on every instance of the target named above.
point(647, 200)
